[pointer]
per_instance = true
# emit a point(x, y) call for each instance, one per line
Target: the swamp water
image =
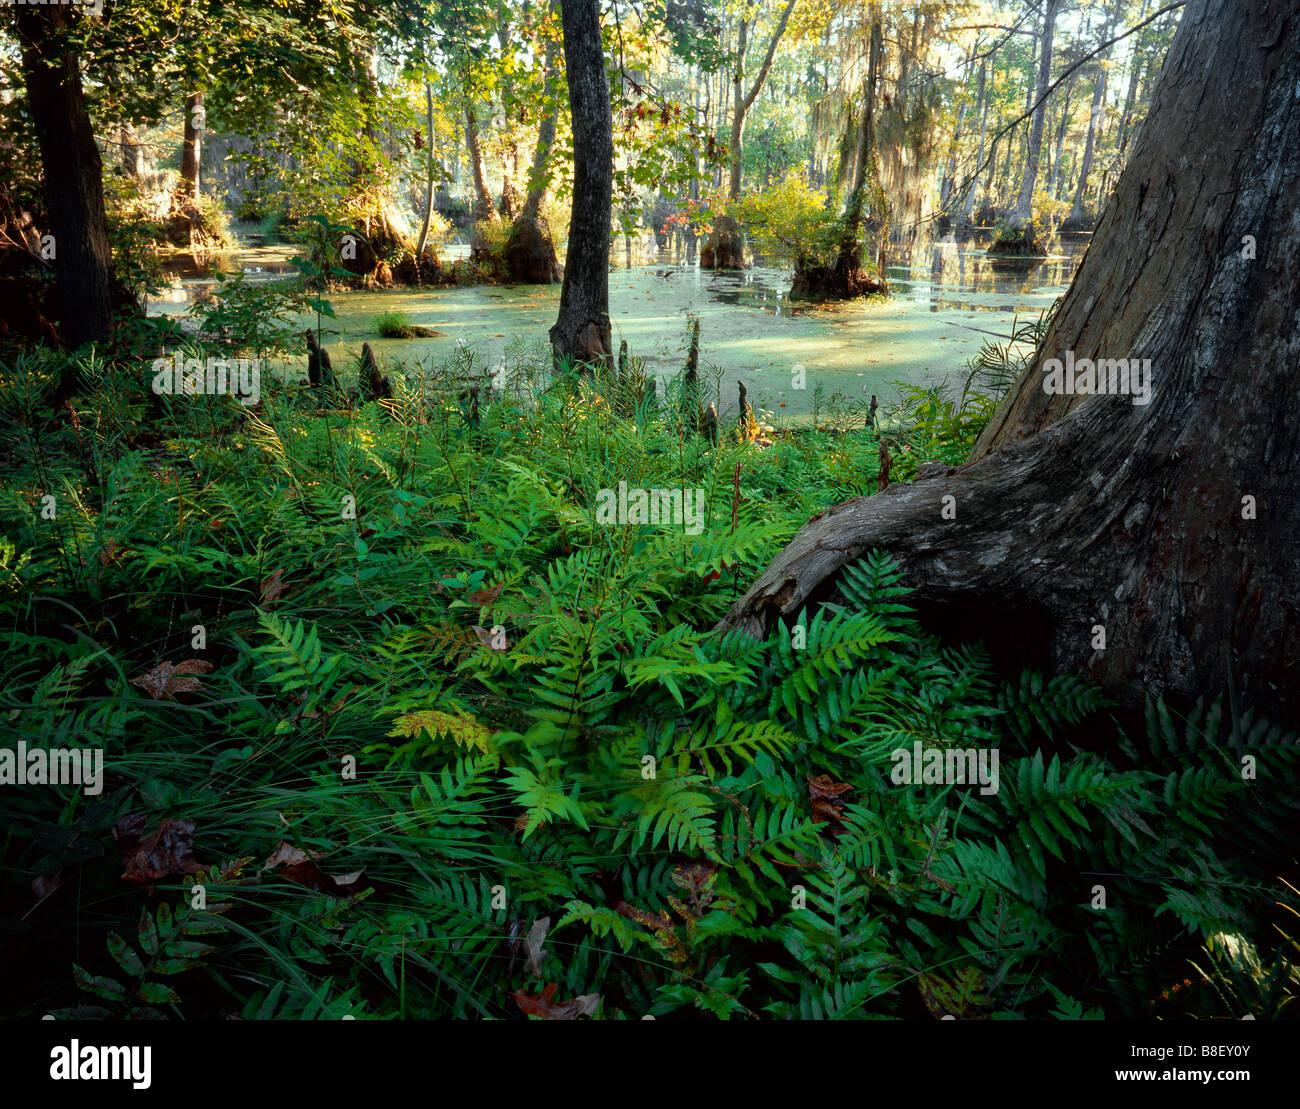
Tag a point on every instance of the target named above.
point(943, 305)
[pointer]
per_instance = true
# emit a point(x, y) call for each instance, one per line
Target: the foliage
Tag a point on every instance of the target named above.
point(243, 315)
point(465, 751)
point(494, 233)
point(790, 220)
point(395, 324)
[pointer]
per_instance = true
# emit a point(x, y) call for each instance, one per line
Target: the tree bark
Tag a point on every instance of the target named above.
point(428, 177)
point(192, 146)
point(73, 174)
point(1173, 525)
point(132, 153)
point(581, 334)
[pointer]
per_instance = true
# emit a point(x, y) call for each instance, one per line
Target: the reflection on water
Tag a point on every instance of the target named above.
point(944, 303)
point(189, 277)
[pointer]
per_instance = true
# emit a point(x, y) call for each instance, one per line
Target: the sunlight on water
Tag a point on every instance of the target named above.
point(943, 305)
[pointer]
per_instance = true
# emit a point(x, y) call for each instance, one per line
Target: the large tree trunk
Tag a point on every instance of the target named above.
point(1020, 237)
point(73, 183)
point(1173, 525)
point(581, 334)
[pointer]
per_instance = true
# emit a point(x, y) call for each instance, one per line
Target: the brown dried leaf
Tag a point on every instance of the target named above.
point(45, 884)
point(193, 666)
point(485, 596)
point(112, 552)
point(162, 683)
point(541, 1005)
point(273, 588)
point(825, 797)
point(170, 850)
point(287, 854)
point(485, 637)
point(533, 942)
point(300, 868)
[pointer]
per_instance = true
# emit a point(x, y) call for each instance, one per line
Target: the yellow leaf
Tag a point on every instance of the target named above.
point(464, 729)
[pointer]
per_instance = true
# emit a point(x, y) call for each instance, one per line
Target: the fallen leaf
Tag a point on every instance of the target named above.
point(825, 797)
point(273, 588)
point(112, 552)
point(486, 638)
point(162, 682)
point(533, 942)
point(168, 851)
point(45, 884)
point(542, 1006)
point(485, 596)
point(299, 867)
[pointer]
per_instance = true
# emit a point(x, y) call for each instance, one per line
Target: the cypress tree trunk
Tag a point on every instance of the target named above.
point(969, 206)
point(1172, 525)
point(73, 182)
point(581, 334)
point(132, 153)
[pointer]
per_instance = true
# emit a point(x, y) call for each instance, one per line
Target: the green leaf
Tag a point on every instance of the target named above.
point(105, 988)
point(124, 955)
point(157, 993)
point(148, 933)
